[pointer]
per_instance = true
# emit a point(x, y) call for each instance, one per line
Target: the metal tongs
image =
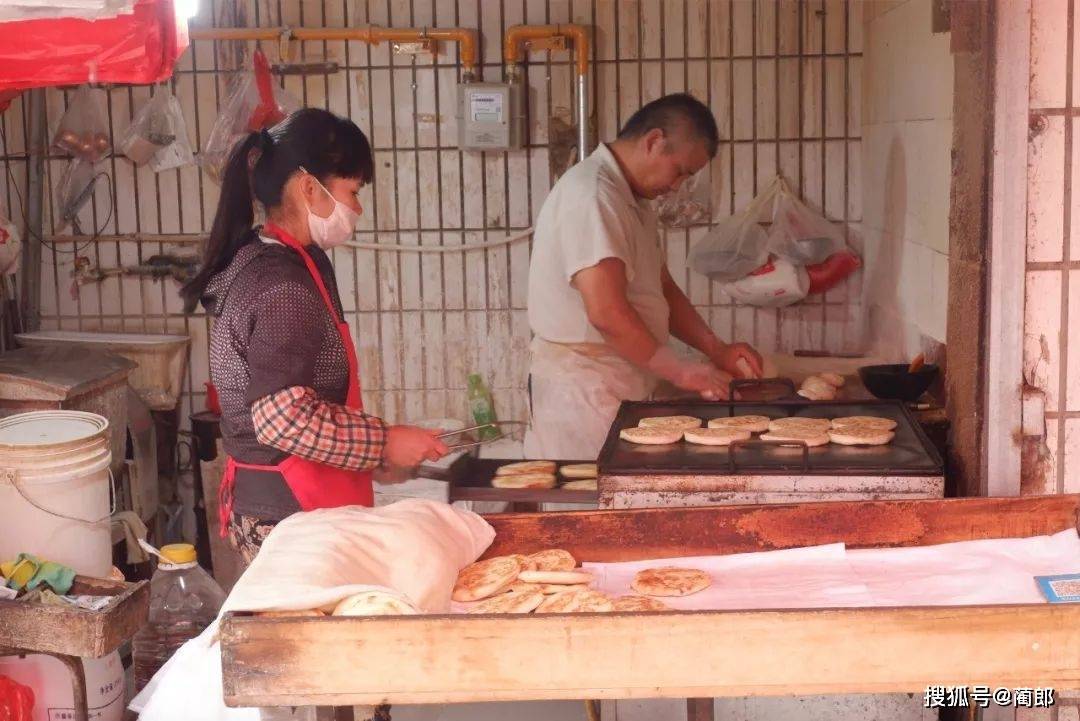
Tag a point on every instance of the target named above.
point(459, 446)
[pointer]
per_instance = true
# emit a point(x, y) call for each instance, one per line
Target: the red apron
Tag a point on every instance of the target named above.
point(315, 485)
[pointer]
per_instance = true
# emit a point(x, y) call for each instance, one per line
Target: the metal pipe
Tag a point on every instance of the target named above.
point(579, 34)
point(371, 34)
point(35, 213)
point(583, 117)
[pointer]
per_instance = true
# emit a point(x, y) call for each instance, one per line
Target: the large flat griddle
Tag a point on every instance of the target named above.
point(909, 454)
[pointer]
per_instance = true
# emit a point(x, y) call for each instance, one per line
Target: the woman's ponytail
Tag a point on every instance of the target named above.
point(232, 221)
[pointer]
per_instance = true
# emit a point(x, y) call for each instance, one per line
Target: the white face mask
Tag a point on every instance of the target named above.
point(335, 229)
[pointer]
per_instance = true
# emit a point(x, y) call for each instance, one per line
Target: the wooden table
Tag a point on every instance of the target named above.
point(700, 654)
point(69, 633)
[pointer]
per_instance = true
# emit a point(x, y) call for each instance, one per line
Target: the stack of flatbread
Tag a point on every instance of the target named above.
point(821, 387)
point(525, 474)
point(579, 476)
point(545, 582)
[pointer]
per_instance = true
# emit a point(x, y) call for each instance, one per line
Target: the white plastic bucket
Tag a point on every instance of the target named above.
point(54, 489)
point(51, 681)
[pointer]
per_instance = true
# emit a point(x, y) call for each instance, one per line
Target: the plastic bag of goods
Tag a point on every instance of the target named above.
point(158, 135)
point(832, 271)
point(777, 283)
point(254, 103)
point(801, 234)
point(738, 245)
point(83, 131)
point(689, 205)
point(74, 191)
point(10, 244)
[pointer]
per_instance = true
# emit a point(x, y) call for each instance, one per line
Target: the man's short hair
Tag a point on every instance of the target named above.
point(668, 114)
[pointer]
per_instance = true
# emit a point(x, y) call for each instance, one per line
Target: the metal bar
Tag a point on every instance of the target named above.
point(35, 213)
point(583, 116)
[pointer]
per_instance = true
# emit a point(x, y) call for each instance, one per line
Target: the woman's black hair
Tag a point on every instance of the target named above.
point(323, 143)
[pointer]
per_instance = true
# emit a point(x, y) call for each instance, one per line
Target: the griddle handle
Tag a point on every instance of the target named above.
point(735, 445)
point(737, 383)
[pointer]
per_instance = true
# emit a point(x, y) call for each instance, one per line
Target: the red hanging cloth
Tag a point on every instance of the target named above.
point(138, 47)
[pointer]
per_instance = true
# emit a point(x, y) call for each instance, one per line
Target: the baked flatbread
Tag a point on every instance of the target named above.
point(510, 603)
point(524, 480)
point(373, 603)
point(670, 581)
point(585, 484)
point(834, 379)
point(526, 563)
point(575, 602)
point(638, 603)
point(522, 587)
point(290, 614)
point(680, 422)
point(579, 470)
point(812, 437)
point(860, 436)
point(555, 559)
point(818, 385)
point(783, 424)
point(715, 436)
point(525, 467)
point(486, 578)
point(652, 436)
point(568, 578)
point(754, 424)
point(881, 424)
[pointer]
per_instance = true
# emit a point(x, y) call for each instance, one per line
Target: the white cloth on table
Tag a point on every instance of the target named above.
point(413, 549)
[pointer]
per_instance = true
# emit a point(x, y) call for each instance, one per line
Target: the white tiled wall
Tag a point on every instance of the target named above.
point(783, 79)
point(1052, 288)
point(907, 108)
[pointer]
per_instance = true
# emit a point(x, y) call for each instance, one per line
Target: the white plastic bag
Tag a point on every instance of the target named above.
point(689, 205)
point(158, 135)
point(777, 283)
point(83, 131)
point(799, 233)
point(738, 245)
point(254, 103)
point(74, 190)
point(10, 245)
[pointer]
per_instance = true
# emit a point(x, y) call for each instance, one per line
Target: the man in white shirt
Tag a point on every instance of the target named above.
point(602, 303)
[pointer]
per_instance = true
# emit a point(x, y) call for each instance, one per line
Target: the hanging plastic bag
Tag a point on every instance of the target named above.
point(255, 103)
point(833, 271)
point(74, 190)
point(738, 245)
point(689, 205)
point(10, 245)
point(83, 131)
point(800, 234)
point(158, 135)
point(777, 283)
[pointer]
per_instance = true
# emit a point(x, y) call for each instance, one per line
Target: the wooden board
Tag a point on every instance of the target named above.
point(610, 536)
point(459, 658)
point(451, 659)
point(76, 631)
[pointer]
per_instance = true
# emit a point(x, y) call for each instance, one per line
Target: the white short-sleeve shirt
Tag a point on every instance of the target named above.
point(591, 214)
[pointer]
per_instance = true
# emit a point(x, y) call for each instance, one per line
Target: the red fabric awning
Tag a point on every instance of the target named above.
point(140, 47)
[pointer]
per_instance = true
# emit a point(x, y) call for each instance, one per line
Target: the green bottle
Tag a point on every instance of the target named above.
point(481, 407)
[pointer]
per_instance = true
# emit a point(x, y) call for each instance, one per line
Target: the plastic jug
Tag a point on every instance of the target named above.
point(184, 600)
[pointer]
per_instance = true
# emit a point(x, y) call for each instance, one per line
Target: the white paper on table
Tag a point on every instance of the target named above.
point(991, 571)
point(813, 577)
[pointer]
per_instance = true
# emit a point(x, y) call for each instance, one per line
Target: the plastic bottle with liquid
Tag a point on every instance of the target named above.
point(184, 600)
point(481, 406)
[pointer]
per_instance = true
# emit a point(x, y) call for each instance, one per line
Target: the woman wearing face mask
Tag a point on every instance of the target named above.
point(281, 356)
